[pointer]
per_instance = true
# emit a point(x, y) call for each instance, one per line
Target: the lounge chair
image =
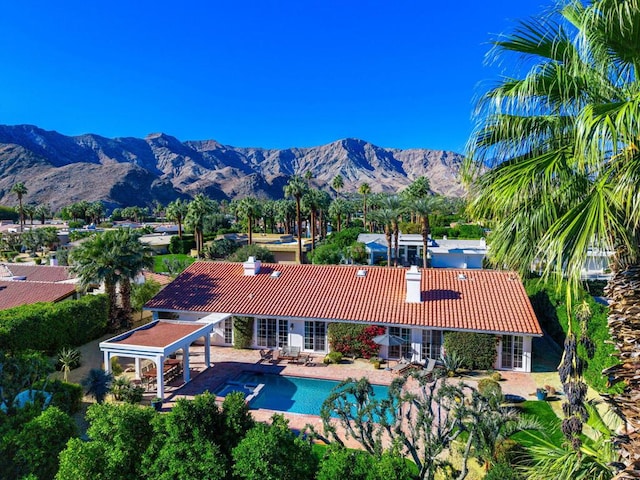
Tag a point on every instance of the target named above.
point(266, 355)
point(402, 366)
point(427, 371)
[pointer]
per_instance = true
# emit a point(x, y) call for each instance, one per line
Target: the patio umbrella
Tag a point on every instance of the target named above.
point(389, 340)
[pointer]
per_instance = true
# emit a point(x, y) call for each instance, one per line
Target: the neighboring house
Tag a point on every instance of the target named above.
point(293, 304)
point(442, 253)
point(158, 242)
point(25, 284)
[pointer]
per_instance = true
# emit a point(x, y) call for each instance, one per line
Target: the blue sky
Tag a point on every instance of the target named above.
point(275, 74)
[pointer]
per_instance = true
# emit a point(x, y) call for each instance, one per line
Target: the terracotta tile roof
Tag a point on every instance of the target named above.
point(161, 334)
point(39, 273)
point(15, 294)
point(158, 277)
point(487, 300)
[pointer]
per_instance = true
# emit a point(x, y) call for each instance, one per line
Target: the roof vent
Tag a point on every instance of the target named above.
point(361, 273)
point(276, 274)
point(462, 276)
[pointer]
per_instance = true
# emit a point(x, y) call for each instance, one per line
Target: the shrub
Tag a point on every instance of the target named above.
point(220, 248)
point(503, 471)
point(489, 388)
point(242, 332)
point(256, 251)
point(116, 369)
point(183, 246)
point(48, 327)
point(328, 254)
point(333, 357)
point(476, 350)
point(496, 376)
point(66, 396)
point(354, 340)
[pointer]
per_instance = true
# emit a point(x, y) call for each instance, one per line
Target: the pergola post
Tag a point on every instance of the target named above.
point(207, 350)
point(107, 361)
point(160, 376)
point(186, 372)
point(137, 364)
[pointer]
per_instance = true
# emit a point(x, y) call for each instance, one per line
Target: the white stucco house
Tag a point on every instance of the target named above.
point(292, 305)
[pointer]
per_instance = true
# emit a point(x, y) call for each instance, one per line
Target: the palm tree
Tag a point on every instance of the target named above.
point(364, 190)
point(562, 147)
point(386, 217)
point(423, 207)
point(95, 212)
point(393, 203)
point(199, 208)
point(20, 190)
point(68, 358)
point(176, 212)
point(43, 212)
point(296, 188)
point(249, 208)
point(337, 183)
point(113, 257)
point(337, 209)
point(98, 384)
point(29, 211)
point(312, 200)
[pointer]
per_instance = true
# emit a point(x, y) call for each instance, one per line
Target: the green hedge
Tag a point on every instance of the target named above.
point(477, 351)
point(66, 396)
point(242, 332)
point(184, 245)
point(48, 327)
point(549, 303)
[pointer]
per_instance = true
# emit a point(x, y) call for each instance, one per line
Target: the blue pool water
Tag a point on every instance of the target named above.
point(293, 394)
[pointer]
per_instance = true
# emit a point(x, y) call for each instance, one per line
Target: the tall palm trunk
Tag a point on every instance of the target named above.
point(425, 239)
point(387, 233)
point(623, 290)
point(113, 318)
point(125, 298)
point(250, 229)
point(180, 228)
point(396, 235)
point(313, 229)
point(299, 225)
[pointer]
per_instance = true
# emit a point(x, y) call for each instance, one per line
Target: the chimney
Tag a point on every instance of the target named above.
point(414, 282)
point(251, 267)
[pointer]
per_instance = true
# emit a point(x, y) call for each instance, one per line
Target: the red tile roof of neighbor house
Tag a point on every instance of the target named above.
point(17, 293)
point(486, 300)
point(157, 277)
point(38, 273)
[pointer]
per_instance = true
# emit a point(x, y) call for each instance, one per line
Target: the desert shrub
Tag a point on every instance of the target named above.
point(354, 340)
point(477, 351)
point(48, 327)
point(333, 357)
point(489, 388)
point(496, 376)
point(181, 245)
point(220, 248)
point(503, 471)
point(242, 332)
point(116, 369)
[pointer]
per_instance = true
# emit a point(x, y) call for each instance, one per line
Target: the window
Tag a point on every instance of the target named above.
point(228, 331)
point(432, 344)
point(405, 349)
point(315, 336)
point(273, 333)
point(512, 351)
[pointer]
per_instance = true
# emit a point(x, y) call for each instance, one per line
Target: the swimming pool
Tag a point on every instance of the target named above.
point(292, 394)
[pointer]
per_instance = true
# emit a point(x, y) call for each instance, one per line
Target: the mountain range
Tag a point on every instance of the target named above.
point(59, 169)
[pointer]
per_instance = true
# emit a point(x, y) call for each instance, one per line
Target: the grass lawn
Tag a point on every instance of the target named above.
point(160, 267)
point(548, 419)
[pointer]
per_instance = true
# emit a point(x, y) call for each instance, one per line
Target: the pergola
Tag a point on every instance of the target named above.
point(156, 341)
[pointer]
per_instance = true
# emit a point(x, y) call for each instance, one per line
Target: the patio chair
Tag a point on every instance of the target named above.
point(266, 355)
point(427, 371)
point(402, 366)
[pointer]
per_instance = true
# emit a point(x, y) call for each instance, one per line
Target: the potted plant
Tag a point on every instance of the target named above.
point(541, 394)
point(157, 403)
point(375, 361)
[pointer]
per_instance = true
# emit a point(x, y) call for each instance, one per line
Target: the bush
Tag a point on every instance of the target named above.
point(66, 396)
point(333, 357)
point(220, 248)
point(256, 251)
point(327, 254)
point(489, 388)
point(496, 376)
point(242, 332)
point(345, 237)
point(477, 351)
point(503, 471)
point(48, 327)
point(354, 340)
point(183, 246)
point(116, 369)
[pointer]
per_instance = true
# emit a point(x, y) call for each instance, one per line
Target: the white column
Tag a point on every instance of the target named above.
point(498, 363)
point(160, 376)
point(186, 371)
point(526, 353)
point(207, 350)
point(137, 364)
point(107, 361)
